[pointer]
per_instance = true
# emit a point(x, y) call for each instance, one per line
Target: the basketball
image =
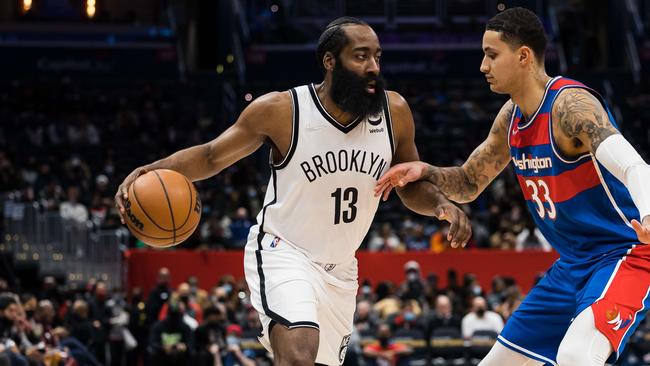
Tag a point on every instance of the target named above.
point(163, 208)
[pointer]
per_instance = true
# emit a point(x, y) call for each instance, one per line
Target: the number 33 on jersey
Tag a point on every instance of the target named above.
point(581, 209)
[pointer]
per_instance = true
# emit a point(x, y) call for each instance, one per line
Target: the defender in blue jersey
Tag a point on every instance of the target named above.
point(584, 184)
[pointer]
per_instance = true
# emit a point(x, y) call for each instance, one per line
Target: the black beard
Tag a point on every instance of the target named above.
point(349, 92)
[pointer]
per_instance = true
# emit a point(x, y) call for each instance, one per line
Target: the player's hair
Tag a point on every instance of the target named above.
point(333, 38)
point(520, 27)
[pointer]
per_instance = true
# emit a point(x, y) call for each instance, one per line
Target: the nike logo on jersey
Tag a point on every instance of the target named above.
point(344, 161)
point(530, 162)
point(374, 122)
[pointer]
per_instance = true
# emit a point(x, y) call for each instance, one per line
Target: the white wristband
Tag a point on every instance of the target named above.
point(619, 157)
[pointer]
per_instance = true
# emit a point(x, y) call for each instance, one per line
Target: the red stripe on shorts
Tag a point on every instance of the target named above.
point(616, 312)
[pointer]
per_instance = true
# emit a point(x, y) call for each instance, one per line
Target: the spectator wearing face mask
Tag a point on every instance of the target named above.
point(210, 337)
point(159, 295)
point(171, 341)
point(413, 287)
point(385, 352)
point(480, 318)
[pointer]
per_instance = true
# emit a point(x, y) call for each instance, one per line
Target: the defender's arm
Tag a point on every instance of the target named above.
point(582, 118)
point(423, 197)
point(461, 184)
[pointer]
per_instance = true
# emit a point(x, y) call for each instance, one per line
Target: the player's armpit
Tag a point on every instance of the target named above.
point(581, 116)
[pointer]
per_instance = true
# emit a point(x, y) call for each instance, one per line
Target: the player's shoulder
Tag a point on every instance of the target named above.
point(397, 102)
point(271, 101)
point(270, 106)
point(577, 99)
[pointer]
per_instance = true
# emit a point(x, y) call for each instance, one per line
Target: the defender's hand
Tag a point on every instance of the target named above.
point(642, 230)
point(398, 176)
point(461, 230)
point(122, 191)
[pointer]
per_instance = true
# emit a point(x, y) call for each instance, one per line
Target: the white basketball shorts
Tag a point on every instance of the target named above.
point(288, 289)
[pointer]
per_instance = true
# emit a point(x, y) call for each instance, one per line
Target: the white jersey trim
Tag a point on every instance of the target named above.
point(541, 104)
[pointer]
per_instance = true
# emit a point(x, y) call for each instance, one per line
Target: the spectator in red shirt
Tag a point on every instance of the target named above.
point(385, 352)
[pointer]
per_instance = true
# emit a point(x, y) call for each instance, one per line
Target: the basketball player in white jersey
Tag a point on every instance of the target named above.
point(330, 143)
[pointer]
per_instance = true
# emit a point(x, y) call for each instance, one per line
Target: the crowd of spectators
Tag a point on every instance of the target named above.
point(415, 322)
point(68, 150)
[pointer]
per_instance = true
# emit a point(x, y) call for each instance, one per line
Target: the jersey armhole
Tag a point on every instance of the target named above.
point(556, 149)
point(295, 113)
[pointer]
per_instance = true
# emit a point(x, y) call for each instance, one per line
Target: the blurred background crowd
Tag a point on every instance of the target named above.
point(95, 88)
point(415, 322)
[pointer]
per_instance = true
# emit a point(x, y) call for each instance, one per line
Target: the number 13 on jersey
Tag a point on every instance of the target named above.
point(541, 188)
point(347, 197)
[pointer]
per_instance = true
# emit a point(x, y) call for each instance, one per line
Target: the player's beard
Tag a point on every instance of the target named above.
point(349, 91)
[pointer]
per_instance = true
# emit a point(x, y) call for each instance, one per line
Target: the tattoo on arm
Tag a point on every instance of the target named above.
point(453, 182)
point(581, 116)
point(463, 184)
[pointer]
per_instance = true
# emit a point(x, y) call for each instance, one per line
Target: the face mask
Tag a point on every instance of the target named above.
point(409, 316)
point(480, 312)
point(412, 276)
point(383, 341)
point(366, 290)
point(476, 290)
point(228, 288)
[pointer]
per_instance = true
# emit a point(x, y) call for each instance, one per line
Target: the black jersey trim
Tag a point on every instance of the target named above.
point(328, 117)
point(294, 131)
point(389, 122)
point(260, 271)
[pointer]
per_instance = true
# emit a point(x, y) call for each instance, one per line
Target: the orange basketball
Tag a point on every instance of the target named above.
point(163, 208)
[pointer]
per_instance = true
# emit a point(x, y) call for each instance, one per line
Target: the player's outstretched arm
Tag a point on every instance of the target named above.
point(583, 120)
point(422, 196)
point(461, 184)
point(246, 135)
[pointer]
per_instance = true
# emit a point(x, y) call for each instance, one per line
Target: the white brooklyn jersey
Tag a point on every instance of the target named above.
point(320, 198)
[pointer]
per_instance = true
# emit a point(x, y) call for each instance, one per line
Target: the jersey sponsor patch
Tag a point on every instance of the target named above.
point(375, 122)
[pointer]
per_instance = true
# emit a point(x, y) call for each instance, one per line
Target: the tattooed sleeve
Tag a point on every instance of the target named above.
point(581, 116)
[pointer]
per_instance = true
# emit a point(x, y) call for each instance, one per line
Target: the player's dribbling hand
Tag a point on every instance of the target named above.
point(642, 229)
point(123, 191)
point(460, 230)
point(398, 176)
